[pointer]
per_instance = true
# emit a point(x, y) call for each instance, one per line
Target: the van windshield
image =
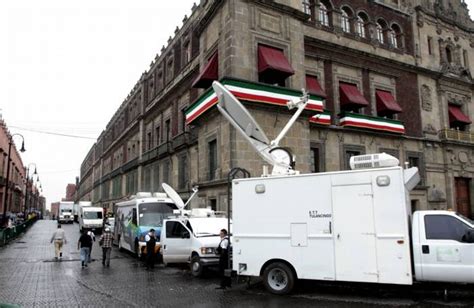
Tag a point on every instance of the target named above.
point(92, 215)
point(152, 214)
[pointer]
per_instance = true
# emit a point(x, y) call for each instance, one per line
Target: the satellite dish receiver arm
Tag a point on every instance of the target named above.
point(238, 116)
point(195, 190)
point(301, 105)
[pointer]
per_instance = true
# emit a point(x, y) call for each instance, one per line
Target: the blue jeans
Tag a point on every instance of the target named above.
point(85, 251)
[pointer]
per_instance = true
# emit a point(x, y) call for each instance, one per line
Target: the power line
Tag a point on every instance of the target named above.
point(51, 133)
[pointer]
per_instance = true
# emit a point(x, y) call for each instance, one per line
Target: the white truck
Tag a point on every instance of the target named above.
point(65, 214)
point(91, 218)
point(135, 217)
point(77, 208)
point(353, 225)
point(192, 238)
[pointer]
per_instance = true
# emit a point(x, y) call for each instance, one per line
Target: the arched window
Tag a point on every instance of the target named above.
point(379, 31)
point(449, 56)
point(323, 14)
point(345, 20)
point(395, 36)
point(360, 25)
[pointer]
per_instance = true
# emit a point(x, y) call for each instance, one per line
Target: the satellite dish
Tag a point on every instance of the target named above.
point(173, 196)
point(244, 123)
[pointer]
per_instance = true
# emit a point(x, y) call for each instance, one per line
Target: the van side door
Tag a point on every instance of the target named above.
point(177, 243)
point(446, 255)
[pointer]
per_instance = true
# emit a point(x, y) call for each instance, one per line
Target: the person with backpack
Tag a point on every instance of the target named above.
point(84, 244)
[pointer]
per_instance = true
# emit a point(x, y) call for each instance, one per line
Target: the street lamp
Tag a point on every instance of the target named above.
point(7, 184)
point(27, 184)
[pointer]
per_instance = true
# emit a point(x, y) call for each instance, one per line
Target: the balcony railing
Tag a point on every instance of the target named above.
point(454, 134)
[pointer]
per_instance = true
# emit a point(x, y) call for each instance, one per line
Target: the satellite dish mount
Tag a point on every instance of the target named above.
point(281, 159)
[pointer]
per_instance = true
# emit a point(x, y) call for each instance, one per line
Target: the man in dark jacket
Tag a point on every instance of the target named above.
point(150, 240)
point(84, 244)
point(223, 251)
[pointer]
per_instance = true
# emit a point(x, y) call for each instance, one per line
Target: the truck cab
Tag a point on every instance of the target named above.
point(443, 246)
point(192, 240)
point(65, 214)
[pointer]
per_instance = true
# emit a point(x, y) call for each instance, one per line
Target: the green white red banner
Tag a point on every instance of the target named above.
point(376, 123)
point(251, 92)
point(321, 118)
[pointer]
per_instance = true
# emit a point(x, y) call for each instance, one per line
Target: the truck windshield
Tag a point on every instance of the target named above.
point(92, 215)
point(66, 210)
point(152, 214)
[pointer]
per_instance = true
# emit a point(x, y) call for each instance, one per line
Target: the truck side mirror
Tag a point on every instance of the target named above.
point(468, 237)
point(185, 234)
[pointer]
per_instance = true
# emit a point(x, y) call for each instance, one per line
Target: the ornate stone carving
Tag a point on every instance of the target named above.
point(426, 100)
point(436, 195)
point(430, 130)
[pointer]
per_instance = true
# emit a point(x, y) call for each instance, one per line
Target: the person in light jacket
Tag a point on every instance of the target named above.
point(59, 239)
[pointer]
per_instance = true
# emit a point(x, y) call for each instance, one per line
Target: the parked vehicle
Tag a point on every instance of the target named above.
point(77, 208)
point(110, 223)
point(354, 225)
point(91, 218)
point(65, 212)
point(192, 238)
point(135, 217)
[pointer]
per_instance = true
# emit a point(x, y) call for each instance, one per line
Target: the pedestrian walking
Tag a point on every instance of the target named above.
point(223, 252)
point(59, 239)
point(150, 240)
point(106, 240)
point(92, 235)
point(84, 244)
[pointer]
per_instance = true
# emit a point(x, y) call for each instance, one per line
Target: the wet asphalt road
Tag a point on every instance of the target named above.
point(30, 277)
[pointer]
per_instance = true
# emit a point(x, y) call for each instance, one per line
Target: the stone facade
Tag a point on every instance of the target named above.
point(420, 52)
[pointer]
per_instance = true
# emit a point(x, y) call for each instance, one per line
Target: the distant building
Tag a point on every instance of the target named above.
point(70, 192)
point(54, 209)
point(16, 178)
point(393, 76)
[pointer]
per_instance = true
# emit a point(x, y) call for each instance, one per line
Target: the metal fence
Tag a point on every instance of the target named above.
point(9, 234)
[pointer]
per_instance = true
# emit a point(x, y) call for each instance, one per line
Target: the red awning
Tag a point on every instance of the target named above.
point(350, 96)
point(208, 74)
point(313, 86)
point(456, 115)
point(273, 60)
point(386, 104)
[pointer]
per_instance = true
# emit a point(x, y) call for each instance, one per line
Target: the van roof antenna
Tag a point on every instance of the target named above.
point(280, 158)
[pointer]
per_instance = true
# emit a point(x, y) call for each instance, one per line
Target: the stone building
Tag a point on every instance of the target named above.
point(385, 76)
point(16, 178)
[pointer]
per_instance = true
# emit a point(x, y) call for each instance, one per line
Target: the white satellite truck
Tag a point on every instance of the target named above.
point(191, 236)
point(91, 218)
point(65, 212)
point(353, 225)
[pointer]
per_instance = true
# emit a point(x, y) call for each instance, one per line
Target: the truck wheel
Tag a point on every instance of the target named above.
point(278, 278)
point(196, 266)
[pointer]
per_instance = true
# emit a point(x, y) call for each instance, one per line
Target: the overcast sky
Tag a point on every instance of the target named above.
point(65, 68)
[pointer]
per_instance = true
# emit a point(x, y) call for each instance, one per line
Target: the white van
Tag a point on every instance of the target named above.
point(91, 218)
point(192, 239)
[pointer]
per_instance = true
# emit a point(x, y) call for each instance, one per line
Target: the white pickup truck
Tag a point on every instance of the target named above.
point(192, 239)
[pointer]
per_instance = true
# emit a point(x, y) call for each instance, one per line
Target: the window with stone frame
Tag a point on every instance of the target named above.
point(167, 130)
point(106, 190)
point(186, 52)
point(117, 187)
point(380, 30)
point(146, 180)
point(317, 161)
point(212, 159)
point(465, 58)
point(213, 204)
point(323, 16)
point(151, 88)
point(149, 140)
point(346, 15)
point(169, 69)
point(430, 45)
point(309, 8)
point(159, 81)
point(350, 151)
point(395, 36)
point(158, 135)
point(415, 159)
point(132, 182)
point(360, 25)
point(182, 120)
point(183, 171)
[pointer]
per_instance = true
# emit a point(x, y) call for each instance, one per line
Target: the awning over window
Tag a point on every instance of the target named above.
point(272, 60)
point(208, 74)
point(386, 104)
point(313, 86)
point(351, 97)
point(456, 115)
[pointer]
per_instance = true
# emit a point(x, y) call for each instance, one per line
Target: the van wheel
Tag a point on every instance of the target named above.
point(196, 266)
point(278, 278)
